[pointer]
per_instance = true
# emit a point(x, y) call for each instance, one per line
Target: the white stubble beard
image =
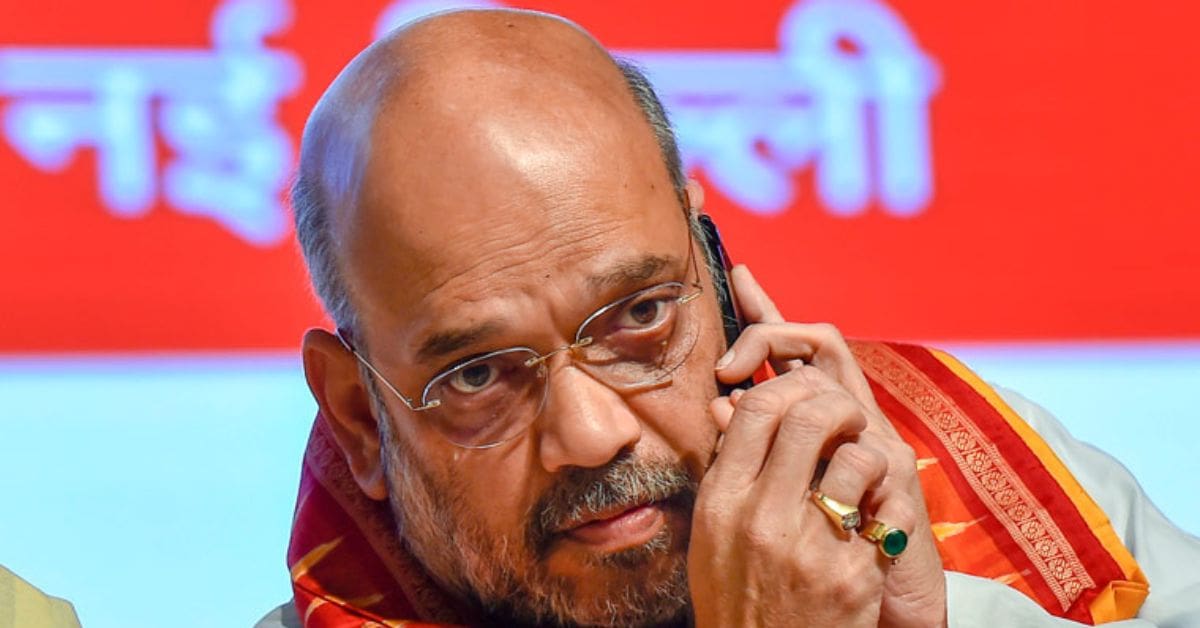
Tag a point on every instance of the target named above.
point(503, 575)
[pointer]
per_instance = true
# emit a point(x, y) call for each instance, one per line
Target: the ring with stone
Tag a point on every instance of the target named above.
point(891, 541)
point(844, 516)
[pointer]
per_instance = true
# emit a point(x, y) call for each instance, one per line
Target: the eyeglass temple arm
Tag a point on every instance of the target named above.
point(343, 336)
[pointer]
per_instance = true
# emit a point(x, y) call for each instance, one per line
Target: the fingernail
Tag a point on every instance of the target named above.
point(725, 360)
point(735, 394)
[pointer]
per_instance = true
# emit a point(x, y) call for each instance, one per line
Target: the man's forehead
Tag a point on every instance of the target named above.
point(517, 156)
point(453, 327)
point(467, 236)
point(520, 265)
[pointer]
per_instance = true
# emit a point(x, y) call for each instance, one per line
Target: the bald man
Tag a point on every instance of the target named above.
point(525, 412)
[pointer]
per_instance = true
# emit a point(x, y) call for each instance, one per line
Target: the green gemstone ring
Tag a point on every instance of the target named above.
point(891, 541)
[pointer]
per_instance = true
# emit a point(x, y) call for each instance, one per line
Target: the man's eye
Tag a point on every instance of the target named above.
point(474, 378)
point(643, 314)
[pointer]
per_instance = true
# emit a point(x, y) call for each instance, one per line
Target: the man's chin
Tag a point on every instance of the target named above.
point(633, 587)
point(622, 583)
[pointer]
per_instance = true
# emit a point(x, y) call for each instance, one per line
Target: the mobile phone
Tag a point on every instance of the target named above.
point(731, 317)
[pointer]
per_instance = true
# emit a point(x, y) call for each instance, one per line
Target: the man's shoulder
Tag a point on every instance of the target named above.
point(283, 616)
point(22, 604)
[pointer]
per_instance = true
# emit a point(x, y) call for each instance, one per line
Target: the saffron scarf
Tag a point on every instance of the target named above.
point(1003, 506)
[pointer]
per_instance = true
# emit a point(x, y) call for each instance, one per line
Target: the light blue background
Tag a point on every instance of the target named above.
point(158, 491)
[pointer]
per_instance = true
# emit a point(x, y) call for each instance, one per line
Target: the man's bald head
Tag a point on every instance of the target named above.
point(422, 78)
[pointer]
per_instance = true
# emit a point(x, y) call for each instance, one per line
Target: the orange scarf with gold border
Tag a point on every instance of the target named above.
point(1002, 505)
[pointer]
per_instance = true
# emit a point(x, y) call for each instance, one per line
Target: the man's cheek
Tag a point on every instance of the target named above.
point(691, 433)
point(500, 493)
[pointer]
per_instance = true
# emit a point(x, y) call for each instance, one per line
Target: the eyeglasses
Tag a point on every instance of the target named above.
point(634, 343)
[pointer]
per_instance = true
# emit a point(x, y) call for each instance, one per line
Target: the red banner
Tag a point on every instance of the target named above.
point(1015, 171)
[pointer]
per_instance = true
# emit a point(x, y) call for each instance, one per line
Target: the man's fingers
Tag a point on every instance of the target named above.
point(901, 463)
point(722, 411)
point(780, 343)
point(897, 511)
point(853, 470)
point(750, 430)
point(755, 305)
point(787, 346)
point(812, 429)
point(753, 424)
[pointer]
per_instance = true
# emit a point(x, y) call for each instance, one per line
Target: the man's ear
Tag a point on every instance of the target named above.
point(332, 374)
point(695, 196)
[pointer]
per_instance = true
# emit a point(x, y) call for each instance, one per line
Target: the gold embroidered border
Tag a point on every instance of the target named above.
point(989, 474)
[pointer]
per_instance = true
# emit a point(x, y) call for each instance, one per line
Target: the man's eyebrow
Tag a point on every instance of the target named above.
point(632, 272)
point(448, 341)
point(624, 274)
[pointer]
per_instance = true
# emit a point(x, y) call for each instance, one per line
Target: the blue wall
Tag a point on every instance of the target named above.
point(159, 490)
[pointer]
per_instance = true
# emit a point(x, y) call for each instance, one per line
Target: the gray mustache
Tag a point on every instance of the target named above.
point(622, 483)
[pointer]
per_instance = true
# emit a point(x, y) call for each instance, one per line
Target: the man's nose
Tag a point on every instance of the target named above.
point(584, 423)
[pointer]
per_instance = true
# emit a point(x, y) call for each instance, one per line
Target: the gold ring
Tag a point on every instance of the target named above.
point(844, 516)
point(891, 541)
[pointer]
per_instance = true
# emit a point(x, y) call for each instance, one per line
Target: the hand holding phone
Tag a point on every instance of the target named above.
point(731, 317)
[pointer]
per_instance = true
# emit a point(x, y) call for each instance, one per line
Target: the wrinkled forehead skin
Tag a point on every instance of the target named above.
point(481, 155)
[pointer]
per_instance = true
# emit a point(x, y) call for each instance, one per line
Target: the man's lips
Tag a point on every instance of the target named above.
point(618, 528)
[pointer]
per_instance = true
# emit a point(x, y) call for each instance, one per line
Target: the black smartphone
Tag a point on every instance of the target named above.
point(731, 317)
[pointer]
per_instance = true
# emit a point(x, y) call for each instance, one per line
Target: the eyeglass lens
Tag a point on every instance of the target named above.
point(637, 341)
